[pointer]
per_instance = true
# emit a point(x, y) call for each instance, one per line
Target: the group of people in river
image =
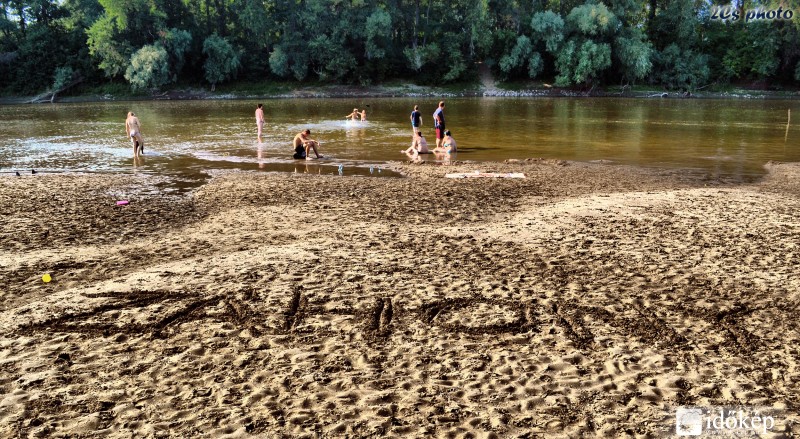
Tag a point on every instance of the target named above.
point(303, 144)
point(445, 143)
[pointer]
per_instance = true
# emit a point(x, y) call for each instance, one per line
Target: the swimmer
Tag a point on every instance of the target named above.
point(353, 115)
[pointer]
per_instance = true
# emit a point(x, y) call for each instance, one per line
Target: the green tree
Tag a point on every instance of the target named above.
point(330, 60)
point(378, 30)
point(35, 39)
point(126, 26)
point(290, 58)
point(279, 62)
point(479, 22)
point(587, 53)
point(454, 61)
point(254, 30)
point(678, 60)
point(548, 27)
point(634, 54)
point(420, 56)
point(519, 55)
point(222, 61)
point(80, 14)
point(62, 77)
point(103, 44)
point(579, 42)
point(687, 70)
point(752, 52)
point(548, 33)
point(148, 69)
point(177, 43)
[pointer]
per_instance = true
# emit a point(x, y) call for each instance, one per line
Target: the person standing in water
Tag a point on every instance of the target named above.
point(260, 120)
point(438, 123)
point(134, 133)
point(416, 120)
point(363, 115)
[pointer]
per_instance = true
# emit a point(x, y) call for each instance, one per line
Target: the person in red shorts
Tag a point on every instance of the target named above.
point(438, 123)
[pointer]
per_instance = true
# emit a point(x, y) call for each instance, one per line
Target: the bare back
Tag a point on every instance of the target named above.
point(299, 140)
point(132, 125)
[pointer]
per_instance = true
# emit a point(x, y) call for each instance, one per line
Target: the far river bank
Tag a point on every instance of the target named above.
point(486, 88)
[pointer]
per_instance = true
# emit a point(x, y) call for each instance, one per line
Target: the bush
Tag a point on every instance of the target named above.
point(222, 61)
point(148, 69)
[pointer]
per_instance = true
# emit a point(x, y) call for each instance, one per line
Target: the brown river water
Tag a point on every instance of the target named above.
point(717, 138)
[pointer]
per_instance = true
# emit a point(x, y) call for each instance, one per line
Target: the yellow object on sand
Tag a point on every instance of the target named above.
point(46, 278)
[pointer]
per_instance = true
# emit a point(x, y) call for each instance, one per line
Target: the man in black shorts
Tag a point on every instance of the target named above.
point(302, 144)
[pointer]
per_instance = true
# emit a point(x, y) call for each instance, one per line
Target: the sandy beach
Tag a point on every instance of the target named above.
point(584, 300)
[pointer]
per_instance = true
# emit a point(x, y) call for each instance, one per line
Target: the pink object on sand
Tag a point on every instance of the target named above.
point(122, 202)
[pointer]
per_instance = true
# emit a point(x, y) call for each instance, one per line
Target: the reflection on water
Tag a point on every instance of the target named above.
point(720, 138)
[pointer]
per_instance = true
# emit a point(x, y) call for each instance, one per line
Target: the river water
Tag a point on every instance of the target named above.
point(729, 139)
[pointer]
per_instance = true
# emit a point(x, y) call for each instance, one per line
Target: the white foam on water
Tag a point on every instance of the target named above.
point(328, 125)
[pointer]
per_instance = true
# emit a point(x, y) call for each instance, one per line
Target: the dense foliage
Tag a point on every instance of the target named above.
point(149, 44)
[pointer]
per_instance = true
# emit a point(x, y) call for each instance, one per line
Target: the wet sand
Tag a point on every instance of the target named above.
point(583, 300)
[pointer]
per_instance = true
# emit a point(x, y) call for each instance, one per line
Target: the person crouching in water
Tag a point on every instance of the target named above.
point(135, 133)
point(448, 144)
point(418, 146)
point(302, 145)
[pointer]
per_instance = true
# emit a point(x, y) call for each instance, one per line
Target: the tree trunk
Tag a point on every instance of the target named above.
point(21, 14)
point(50, 96)
point(416, 24)
point(208, 17)
point(427, 20)
point(220, 6)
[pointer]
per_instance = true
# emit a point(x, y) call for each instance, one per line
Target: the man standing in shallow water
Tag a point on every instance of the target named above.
point(438, 123)
point(134, 133)
point(260, 120)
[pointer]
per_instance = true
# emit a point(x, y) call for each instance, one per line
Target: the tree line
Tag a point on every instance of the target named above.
point(151, 44)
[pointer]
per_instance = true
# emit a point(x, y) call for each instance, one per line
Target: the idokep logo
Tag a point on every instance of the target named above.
point(721, 421)
point(688, 421)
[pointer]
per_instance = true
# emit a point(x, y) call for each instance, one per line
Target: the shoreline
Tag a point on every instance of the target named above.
point(406, 169)
point(583, 300)
point(414, 91)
